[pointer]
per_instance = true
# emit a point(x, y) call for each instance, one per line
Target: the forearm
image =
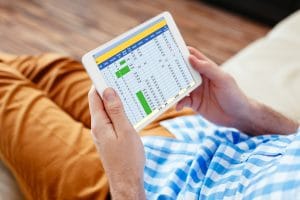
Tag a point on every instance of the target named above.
point(260, 119)
point(126, 191)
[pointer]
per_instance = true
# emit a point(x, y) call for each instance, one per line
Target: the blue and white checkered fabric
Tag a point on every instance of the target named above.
point(206, 161)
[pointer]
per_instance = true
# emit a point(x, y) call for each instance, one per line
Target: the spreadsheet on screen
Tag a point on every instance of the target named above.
point(146, 69)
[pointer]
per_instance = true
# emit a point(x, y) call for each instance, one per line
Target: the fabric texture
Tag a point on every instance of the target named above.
point(45, 128)
point(206, 161)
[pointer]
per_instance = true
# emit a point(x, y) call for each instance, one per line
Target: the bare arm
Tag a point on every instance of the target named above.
point(261, 119)
point(128, 191)
point(120, 147)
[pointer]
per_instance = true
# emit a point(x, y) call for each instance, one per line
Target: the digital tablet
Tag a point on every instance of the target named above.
point(147, 66)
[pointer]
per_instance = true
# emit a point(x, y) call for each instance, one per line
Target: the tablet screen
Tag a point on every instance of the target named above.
point(147, 69)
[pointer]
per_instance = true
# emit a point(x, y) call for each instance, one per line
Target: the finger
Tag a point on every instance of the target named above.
point(198, 54)
point(196, 96)
point(205, 68)
point(96, 107)
point(115, 111)
point(186, 101)
point(99, 118)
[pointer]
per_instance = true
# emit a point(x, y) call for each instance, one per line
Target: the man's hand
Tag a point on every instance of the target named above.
point(220, 100)
point(120, 147)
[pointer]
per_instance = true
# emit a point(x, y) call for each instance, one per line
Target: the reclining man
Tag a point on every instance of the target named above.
point(45, 139)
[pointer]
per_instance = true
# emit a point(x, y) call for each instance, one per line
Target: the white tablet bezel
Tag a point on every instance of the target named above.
point(99, 82)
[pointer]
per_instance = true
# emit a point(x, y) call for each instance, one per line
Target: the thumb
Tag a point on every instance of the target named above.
point(115, 110)
point(206, 68)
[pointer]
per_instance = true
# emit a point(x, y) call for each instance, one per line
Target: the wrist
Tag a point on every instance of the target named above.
point(243, 115)
point(258, 119)
point(127, 189)
point(249, 119)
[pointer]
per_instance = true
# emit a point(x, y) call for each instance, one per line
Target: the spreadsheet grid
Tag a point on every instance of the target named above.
point(149, 76)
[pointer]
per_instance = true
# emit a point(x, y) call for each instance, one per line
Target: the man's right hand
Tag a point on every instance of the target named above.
point(220, 100)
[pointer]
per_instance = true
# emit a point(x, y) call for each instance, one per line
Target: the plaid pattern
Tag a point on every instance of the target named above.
point(206, 161)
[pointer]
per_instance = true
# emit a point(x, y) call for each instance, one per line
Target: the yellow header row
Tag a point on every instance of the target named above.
point(130, 42)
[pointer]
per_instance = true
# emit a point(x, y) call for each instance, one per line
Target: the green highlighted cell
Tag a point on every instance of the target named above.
point(143, 102)
point(122, 62)
point(121, 72)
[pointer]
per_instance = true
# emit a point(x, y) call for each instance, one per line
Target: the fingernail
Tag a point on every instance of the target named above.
point(109, 94)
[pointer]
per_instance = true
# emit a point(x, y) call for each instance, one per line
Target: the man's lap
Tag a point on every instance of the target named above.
point(50, 154)
point(210, 162)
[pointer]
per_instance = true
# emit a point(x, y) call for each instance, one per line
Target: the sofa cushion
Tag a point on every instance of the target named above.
point(288, 29)
point(269, 69)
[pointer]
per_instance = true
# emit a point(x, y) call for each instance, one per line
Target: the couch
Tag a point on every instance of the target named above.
point(267, 70)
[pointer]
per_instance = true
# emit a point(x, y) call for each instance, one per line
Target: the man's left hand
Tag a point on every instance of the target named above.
point(120, 147)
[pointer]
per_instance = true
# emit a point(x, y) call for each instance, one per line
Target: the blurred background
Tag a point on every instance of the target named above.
point(219, 28)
